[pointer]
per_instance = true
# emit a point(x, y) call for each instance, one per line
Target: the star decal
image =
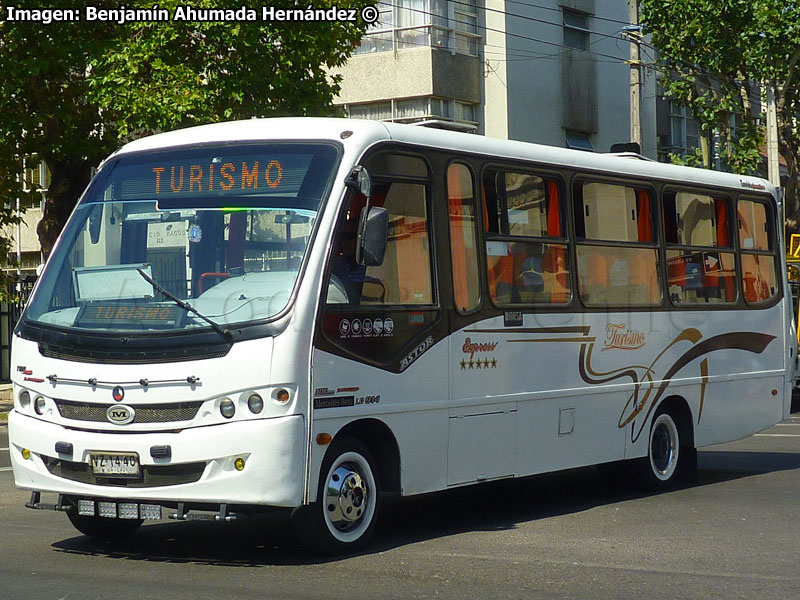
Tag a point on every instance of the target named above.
point(463, 364)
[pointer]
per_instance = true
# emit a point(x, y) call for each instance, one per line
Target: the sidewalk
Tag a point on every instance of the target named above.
point(6, 402)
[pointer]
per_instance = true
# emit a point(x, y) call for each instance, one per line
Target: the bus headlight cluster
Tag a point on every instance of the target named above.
point(227, 408)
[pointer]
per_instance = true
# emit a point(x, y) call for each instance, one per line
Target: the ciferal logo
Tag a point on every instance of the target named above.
point(118, 393)
point(120, 414)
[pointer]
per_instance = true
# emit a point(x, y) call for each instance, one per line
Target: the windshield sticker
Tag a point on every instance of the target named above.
point(195, 233)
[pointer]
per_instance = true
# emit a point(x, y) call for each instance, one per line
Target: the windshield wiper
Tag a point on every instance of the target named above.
point(186, 306)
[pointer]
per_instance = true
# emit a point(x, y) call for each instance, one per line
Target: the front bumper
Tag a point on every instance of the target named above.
point(200, 469)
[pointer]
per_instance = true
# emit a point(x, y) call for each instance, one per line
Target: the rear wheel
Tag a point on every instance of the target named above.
point(343, 517)
point(659, 469)
point(102, 528)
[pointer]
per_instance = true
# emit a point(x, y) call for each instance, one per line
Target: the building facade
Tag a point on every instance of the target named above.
point(555, 72)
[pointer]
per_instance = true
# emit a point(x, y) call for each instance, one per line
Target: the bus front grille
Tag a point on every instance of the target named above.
point(148, 413)
point(152, 475)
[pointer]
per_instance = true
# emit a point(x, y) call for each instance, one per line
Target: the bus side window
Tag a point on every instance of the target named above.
point(405, 275)
point(756, 235)
point(526, 250)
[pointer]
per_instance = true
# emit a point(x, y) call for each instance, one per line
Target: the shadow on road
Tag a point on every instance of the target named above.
point(496, 506)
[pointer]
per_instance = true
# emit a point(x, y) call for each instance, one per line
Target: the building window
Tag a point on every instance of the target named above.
point(405, 24)
point(412, 110)
point(579, 141)
point(684, 131)
point(576, 30)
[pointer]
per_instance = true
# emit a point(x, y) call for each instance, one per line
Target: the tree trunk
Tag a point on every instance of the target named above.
point(68, 180)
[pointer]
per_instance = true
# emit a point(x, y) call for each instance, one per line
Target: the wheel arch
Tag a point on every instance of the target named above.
point(382, 443)
point(679, 408)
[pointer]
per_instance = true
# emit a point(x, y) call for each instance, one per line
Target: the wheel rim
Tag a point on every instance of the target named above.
point(664, 447)
point(350, 497)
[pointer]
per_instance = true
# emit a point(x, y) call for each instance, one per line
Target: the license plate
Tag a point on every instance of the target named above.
point(115, 464)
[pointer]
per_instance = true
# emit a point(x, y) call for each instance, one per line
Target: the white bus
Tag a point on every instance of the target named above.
point(311, 313)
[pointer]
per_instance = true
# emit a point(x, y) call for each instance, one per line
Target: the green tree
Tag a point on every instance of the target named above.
point(72, 92)
point(718, 55)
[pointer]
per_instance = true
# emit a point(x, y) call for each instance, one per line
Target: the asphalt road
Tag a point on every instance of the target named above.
point(734, 534)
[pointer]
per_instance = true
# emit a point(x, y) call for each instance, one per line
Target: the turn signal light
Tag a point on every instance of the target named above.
point(323, 439)
point(238, 464)
point(282, 396)
point(26, 454)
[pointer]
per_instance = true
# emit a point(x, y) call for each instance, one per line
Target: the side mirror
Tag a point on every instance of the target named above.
point(359, 179)
point(373, 227)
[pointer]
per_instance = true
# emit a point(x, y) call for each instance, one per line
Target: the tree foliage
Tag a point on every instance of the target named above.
point(72, 92)
point(718, 56)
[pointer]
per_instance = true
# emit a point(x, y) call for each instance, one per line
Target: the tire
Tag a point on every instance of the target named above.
point(343, 518)
point(665, 455)
point(102, 528)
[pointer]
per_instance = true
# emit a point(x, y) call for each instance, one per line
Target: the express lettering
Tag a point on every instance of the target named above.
point(471, 349)
point(217, 177)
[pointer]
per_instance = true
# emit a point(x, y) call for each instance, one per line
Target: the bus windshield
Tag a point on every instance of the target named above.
point(186, 238)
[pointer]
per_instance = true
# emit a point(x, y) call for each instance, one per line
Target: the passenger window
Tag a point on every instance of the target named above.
point(461, 204)
point(697, 229)
point(526, 250)
point(623, 268)
point(405, 275)
point(756, 235)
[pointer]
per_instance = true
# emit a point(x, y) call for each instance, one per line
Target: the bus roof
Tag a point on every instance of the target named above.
point(365, 133)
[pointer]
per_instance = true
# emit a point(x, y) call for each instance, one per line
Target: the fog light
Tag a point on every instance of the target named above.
point(86, 508)
point(39, 405)
point(227, 408)
point(26, 454)
point(282, 396)
point(24, 399)
point(128, 510)
point(255, 403)
point(107, 509)
point(239, 464)
point(151, 512)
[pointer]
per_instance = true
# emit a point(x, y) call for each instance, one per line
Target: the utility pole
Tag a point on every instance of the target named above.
point(634, 32)
point(773, 165)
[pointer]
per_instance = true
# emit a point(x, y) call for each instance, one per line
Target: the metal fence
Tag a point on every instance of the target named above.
point(9, 315)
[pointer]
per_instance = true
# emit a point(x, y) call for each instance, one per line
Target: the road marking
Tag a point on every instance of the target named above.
point(792, 435)
point(2, 469)
point(5, 448)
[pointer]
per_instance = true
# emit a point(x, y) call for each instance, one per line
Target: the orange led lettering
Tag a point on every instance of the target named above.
point(279, 174)
point(152, 313)
point(226, 175)
point(196, 176)
point(211, 177)
point(158, 171)
point(249, 178)
point(172, 180)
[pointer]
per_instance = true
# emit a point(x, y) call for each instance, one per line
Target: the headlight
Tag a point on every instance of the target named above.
point(255, 403)
point(24, 399)
point(39, 405)
point(227, 408)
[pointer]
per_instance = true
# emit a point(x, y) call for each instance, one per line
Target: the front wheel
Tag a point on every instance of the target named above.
point(343, 517)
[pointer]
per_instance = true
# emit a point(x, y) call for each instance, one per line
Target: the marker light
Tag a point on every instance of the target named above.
point(238, 464)
point(24, 399)
point(26, 454)
point(282, 396)
point(227, 408)
point(255, 403)
point(323, 439)
point(39, 405)
point(128, 510)
point(86, 508)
